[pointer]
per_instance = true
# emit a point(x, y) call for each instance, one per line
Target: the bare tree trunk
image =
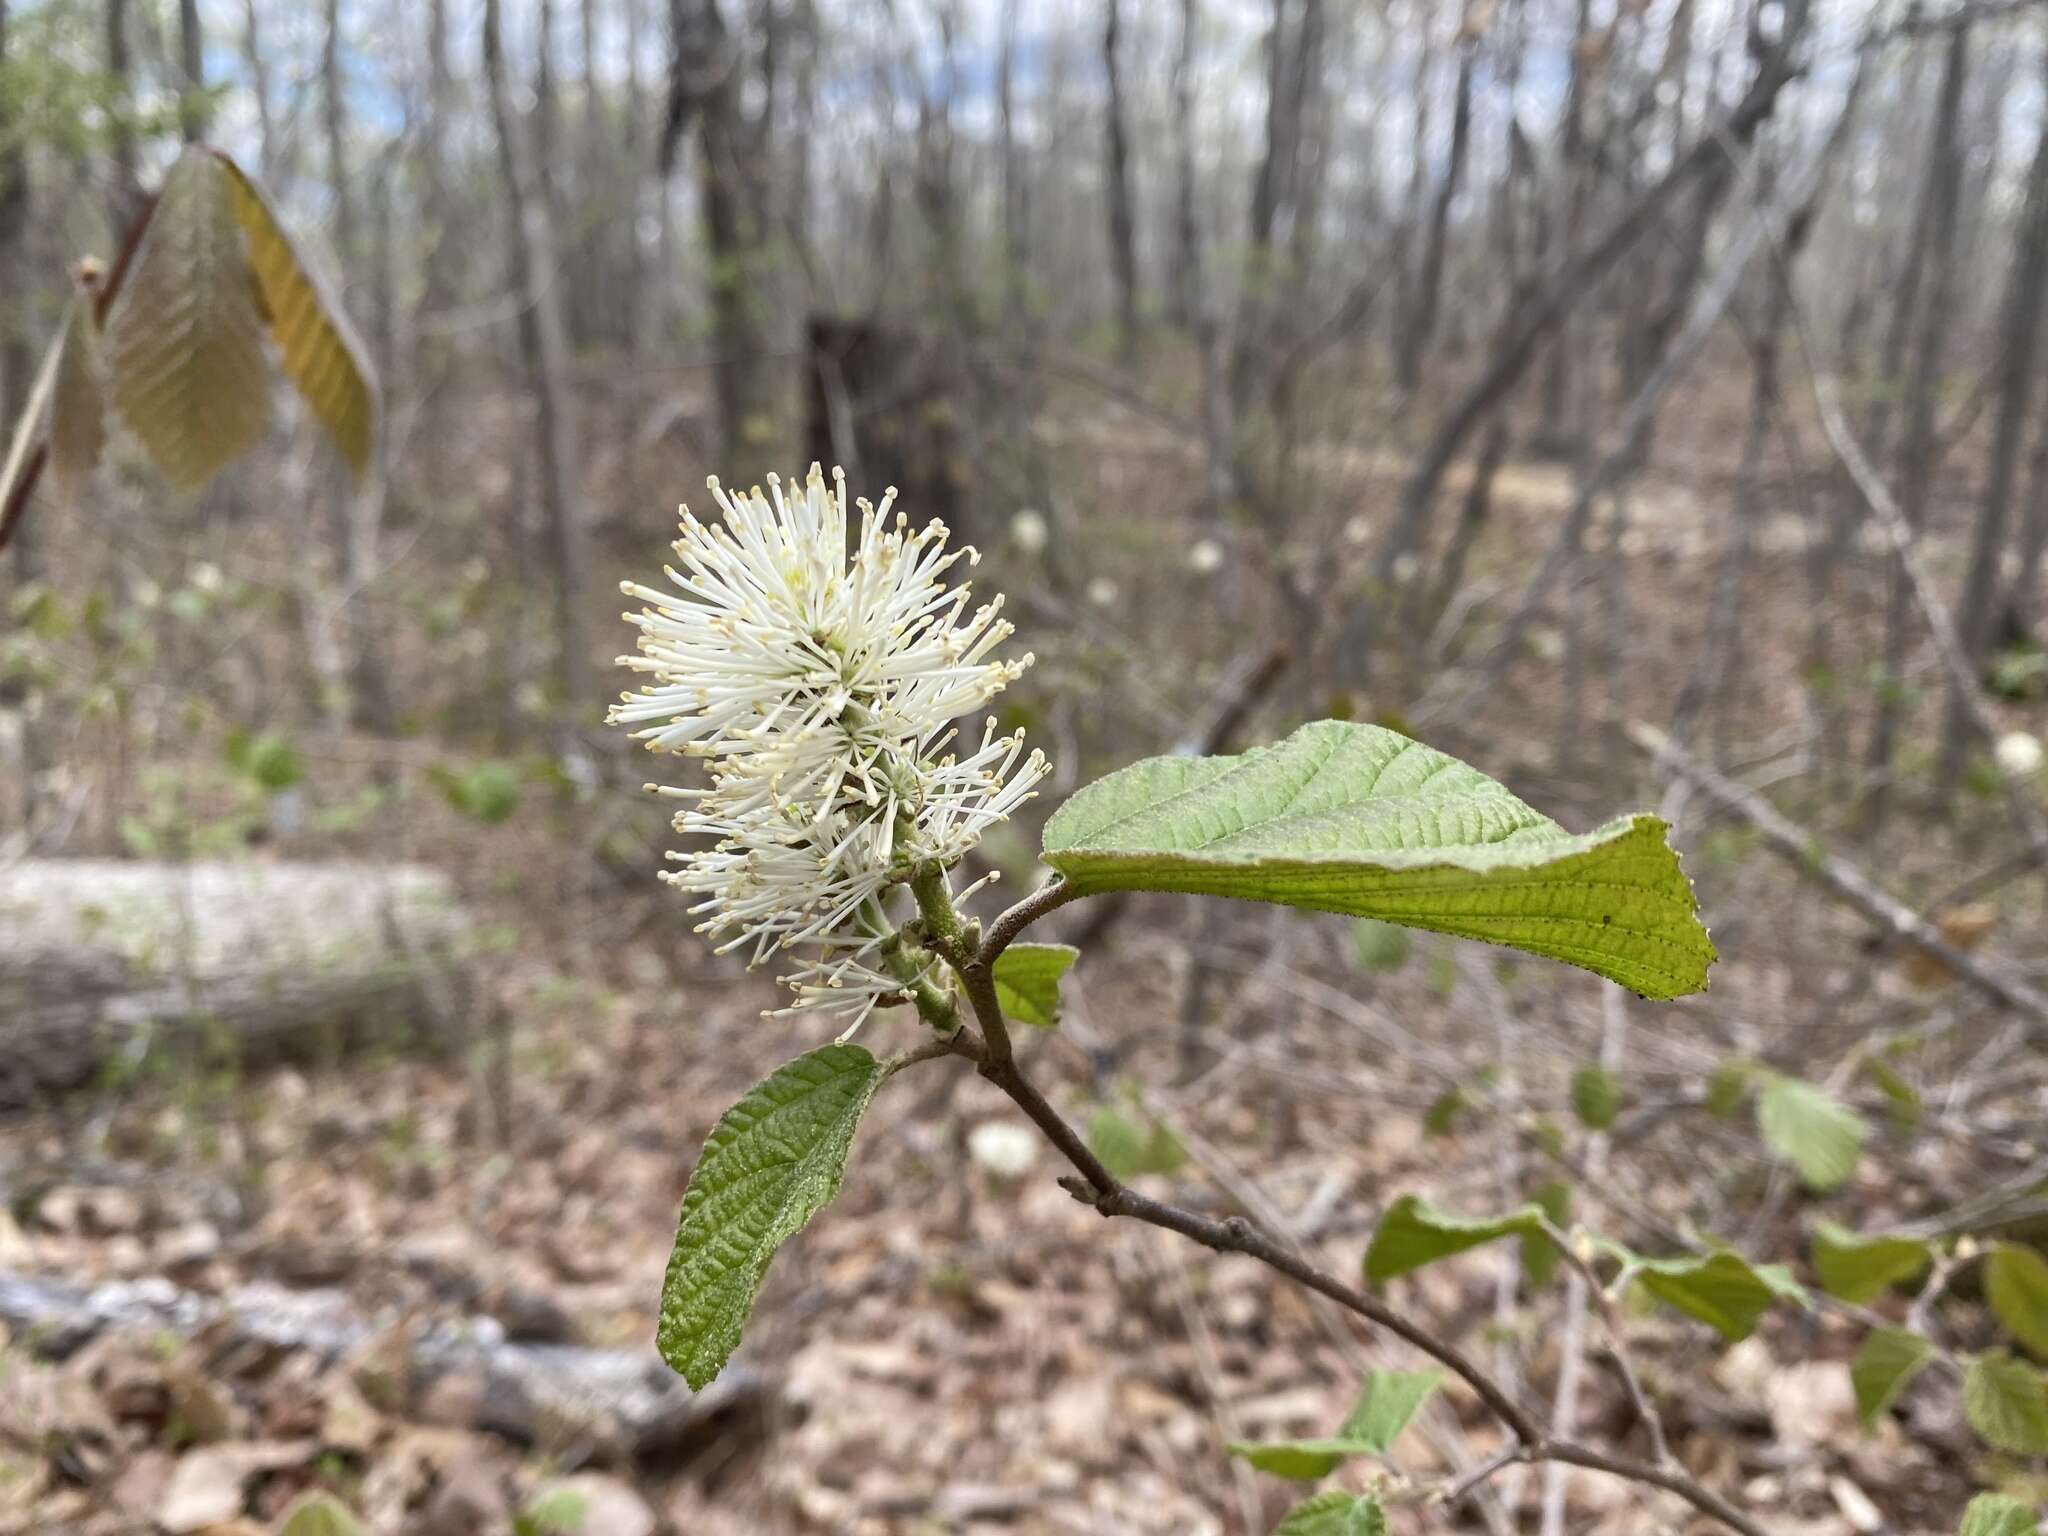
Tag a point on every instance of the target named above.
point(16, 367)
point(258, 65)
point(1016, 190)
point(1917, 451)
point(1429, 277)
point(1123, 240)
point(1554, 303)
point(124, 197)
point(531, 259)
point(1559, 427)
point(2024, 604)
point(1187, 226)
point(2018, 330)
point(546, 141)
point(634, 137)
point(705, 91)
point(192, 106)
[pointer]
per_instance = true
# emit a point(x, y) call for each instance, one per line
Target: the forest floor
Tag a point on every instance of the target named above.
point(956, 1345)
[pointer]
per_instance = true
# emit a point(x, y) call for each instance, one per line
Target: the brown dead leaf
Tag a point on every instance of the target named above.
point(208, 1487)
point(1966, 927)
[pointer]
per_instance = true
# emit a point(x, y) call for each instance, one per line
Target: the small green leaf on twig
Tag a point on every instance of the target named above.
point(1812, 1130)
point(2016, 1285)
point(1998, 1514)
point(774, 1159)
point(2006, 1401)
point(1027, 978)
point(1857, 1268)
point(1886, 1362)
point(1415, 1232)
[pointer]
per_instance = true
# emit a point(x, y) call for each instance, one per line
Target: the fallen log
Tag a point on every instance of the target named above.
point(106, 964)
point(580, 1404)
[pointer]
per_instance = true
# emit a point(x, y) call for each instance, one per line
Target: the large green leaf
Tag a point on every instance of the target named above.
point(1886, 1362)
point(1415, 1232)
point(1359, 819)
point(1027, 978)
point(1857, 1268)
point(1998, 1514)
point(1721, 1289)
point(772, 1162)
point(2006, 1401)
point(1335, 1514)
point(2016, 1284)
point(184, 341)
point(316, 346)
point(1812, 1130)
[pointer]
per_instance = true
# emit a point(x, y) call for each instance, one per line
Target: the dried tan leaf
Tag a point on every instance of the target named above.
point(316, 346)
point(78, 406)
point(184, 341)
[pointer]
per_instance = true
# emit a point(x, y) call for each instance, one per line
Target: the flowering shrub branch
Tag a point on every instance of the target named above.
point(814, 668)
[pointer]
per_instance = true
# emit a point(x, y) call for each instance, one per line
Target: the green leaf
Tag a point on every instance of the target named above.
point(1358, 819)
point(319, 1514)
point(1813, 1131)
point(553, 1512)
point(1727, 1087)
point(486, 792)
point(1335, 1514)
point(1128, 1149)
point(1856, 1268)
point(1442, 1115)
point(316, 346)
point(1379, 946)
point(1905, 1098)
point(184, 341)
point(1414, 1232)
point(1539, 1253)
point(1997, 1514)
point(1027, 978)
point(1390, 1400)
point(1886, 1362)
point(1299, 1461)
point(2016, 1284)
point(774, 1159)
point(2006, 1401)
point(1596, 1097)
point(1722, 1289)
point(267, 759)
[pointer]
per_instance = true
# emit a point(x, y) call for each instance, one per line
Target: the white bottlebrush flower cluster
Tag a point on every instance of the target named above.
point(819, 688)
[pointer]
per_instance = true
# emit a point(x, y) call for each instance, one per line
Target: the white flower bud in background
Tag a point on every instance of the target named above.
point(819, 688)
point(1005, 1148)
point(1206, 558)
point(1102, 592)
point(2019, 754)
point(1029, 532)
point(1406, 567)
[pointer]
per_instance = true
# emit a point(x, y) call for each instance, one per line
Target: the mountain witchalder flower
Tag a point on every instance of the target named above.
point(819, 686)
